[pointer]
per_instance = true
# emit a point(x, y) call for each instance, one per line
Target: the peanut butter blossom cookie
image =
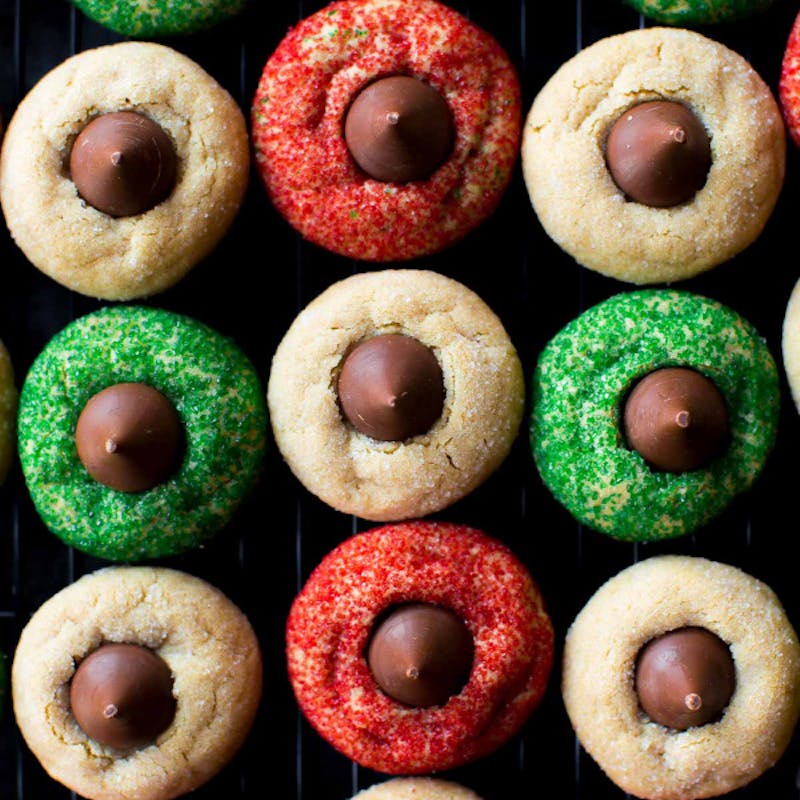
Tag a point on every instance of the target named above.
point(385, 130)
point(405, 662)
point(698, 12)
point(654, 155)
point(652, 411)
point(681, 677)
point(395, 393)
point(136, 682)
point(123, 168)
point(140, 432)
point(152, 18)
point(789, 83)
point(417, 789)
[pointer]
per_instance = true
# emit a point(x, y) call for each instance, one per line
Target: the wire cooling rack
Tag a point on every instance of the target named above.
point(252, 286)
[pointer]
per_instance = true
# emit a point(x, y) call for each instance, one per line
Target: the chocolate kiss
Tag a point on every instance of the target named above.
point(391, 387)
point(129, 437)
point(676, 419)
point(685, 678)
point(121, 696)
point(421, 654)
point(399, 129)
point(659, 153)
point(123, 164)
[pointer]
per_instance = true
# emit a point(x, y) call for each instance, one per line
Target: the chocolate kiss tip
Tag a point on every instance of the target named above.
point(693, 701)
point(683, 419)
point(111, 446)
point(110, 711)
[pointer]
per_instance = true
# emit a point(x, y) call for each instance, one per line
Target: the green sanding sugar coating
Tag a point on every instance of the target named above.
point(216, 393)
point(149, 18)
point(698, 12)
point(582, 378)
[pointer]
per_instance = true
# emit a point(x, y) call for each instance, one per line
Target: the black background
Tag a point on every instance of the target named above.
point(251, 288)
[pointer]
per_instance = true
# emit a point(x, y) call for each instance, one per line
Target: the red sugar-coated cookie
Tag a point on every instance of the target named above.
point(298, 118)
point(789, 83)
point(445, 564)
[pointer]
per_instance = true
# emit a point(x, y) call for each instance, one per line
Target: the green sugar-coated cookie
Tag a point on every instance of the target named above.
point(582, 378)
point(698, 12)
point(219, 399)
point(148, 18)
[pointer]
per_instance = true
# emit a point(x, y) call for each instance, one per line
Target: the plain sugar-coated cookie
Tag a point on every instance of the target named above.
point(582, 384)
point(698, 12)
point(131, 248)
point(430, 425)
point(791, 344)
point(712, 108)
point(345, 655)
point(8, 412)
point(416, 789)
point(126, 501)
point(213, 687)
point(462, 163)
point(154, 18)
point(603, 678)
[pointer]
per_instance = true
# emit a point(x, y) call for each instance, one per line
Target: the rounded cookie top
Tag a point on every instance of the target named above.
point(571, 188)
point(388, 480)
point(416, 789)
point(206, 642)
point(668, 593)
point(8, 412)
point(582, 378)
point(698, 12)
point(153, 18)
point(375, 572)
point(219, 400)
point(789, 82)
point(90, 251)
point(307, 87)
point(790, 344)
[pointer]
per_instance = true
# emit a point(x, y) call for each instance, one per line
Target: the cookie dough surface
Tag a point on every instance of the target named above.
point(416, 789)
point(205, 640)
point(698, 12)
point(650, 598)
point(211, 384)
point(791, 344)
point(306, 88)
point(580, 382)
point(329, 627)
point(789, 82)
point(484, 395)
point(126, 257)
point(574, 195)
point(149, 18)
point(8, 412)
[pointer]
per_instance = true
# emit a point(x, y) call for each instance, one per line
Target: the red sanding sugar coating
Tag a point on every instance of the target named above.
point(454, 566)
point(303, 95)
point(789, 84)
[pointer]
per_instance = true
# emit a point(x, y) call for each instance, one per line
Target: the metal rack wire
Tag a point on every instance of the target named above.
point(252, 286)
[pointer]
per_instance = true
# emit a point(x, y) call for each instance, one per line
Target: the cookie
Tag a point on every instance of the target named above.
point(348, 647)
point(603, 674)
point(583, 384)
point(416, 789)
point(789, 82)
point(160, 152)
point(422, 429)
point(715, 129)
point(149, 18)
point(81, 485)
point(389, 183)
point(698, 12)
point(790, 344)
point(8, 412)
point(214, 670)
